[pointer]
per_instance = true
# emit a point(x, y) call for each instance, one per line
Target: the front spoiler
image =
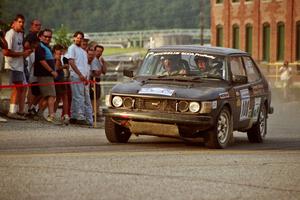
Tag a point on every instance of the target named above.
point(158, 117)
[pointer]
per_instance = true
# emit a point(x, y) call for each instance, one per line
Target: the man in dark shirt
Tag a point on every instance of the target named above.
point(32, 36)
point(29, 43)
point(44, 70)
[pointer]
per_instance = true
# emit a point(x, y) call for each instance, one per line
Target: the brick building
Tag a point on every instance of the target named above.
point(268, 29)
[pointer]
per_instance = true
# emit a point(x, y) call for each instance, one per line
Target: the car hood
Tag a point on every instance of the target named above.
point(206, 90)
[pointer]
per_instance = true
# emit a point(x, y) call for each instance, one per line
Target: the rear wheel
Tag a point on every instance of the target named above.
point(116, 133)
point(259, 130)
point(221, 135)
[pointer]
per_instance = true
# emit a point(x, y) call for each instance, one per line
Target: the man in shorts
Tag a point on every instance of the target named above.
point(14, 61)
point(44, 70)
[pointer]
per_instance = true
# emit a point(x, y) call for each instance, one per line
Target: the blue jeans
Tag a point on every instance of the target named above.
point(81, 107)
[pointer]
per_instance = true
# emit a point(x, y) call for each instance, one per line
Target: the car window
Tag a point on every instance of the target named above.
point(251, 70)
point(236, 66)
point(173, 63)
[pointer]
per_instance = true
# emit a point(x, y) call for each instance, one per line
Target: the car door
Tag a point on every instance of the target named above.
point(256, 88)
point(243, 93)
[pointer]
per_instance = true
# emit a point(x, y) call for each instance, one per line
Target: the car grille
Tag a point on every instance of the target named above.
point(155, 104)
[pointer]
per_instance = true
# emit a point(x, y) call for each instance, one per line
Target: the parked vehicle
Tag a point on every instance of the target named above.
point(190, 92)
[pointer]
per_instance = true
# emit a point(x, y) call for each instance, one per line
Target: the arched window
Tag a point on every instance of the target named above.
point(280, 41)
point(235, 36)
point(298, 41)
point(219, 36)
point(248, 41)
point(266, 42)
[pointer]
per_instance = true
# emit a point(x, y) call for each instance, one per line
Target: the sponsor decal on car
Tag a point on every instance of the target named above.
point(182, 53)
point(245, 104)
point(257, 102)
point(224, 95)
point(214, 105)
point(159, 91)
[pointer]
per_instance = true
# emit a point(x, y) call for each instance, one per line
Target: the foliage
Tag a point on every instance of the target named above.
point(109, 15)
point(61, 37)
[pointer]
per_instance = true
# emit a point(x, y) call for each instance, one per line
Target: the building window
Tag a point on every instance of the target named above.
point(219, 36)
point(280, 41)
point(219, 1)
point(266, 42)
point(248, 45)
point(298, 41)
point(235, 36)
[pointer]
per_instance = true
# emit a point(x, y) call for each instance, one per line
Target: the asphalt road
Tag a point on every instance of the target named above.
point(41, 161)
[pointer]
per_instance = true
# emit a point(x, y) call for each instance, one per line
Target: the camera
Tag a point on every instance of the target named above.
point(2, 33)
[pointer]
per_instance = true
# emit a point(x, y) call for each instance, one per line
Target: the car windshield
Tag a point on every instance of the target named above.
point(186, 64)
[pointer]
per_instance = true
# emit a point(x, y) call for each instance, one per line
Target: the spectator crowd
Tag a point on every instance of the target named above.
point(57, 76)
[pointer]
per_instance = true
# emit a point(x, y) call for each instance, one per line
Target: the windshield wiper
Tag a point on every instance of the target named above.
point(213, 76)
point(176, 78)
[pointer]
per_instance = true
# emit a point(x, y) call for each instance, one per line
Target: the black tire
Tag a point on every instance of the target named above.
point(221, 135)
point(259, 130)
point(116, 133)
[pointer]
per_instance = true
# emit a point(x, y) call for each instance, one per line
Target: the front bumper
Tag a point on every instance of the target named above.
point(202, 121)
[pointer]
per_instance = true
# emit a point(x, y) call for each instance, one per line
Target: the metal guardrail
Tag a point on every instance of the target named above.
point(148, 33)
point(142, 35)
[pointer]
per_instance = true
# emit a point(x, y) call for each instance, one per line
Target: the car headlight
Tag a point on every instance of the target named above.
point(194, 107)
point(128, 102)
point(117, 101)
point(183, 106)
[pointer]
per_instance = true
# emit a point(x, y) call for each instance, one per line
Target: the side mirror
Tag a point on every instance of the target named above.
point(240, 79)
point(128, 73)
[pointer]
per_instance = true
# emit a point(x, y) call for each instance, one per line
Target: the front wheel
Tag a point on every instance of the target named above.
point(116, 133)
point(259, 130)
point(221, 135)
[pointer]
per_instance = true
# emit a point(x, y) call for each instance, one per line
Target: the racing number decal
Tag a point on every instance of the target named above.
point(256, 109)
point(245, 104)
point(244, 109)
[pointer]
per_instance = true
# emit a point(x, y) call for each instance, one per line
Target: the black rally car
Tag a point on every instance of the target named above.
point(189, 91)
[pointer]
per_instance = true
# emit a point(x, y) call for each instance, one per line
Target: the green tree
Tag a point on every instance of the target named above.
point(61, 36)
point(108, 15)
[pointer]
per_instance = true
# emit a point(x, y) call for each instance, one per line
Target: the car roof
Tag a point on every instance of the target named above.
point(201, 49)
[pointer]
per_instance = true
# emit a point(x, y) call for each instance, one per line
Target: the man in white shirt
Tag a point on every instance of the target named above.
point(14, 61)
point(81, 107)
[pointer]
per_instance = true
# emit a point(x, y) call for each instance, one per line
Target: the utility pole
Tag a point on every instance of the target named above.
point(202, 22)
